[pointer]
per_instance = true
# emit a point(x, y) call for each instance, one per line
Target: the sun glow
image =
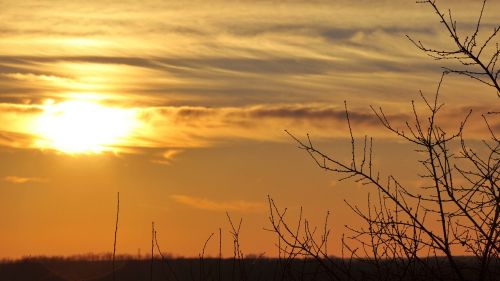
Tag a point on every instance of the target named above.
point(80, 126)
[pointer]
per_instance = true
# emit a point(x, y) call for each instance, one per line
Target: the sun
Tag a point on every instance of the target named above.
point(80, 126)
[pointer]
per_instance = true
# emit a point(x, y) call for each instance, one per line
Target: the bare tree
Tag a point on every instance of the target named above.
point(419, 232)
point(478, 59)
point(306, 242)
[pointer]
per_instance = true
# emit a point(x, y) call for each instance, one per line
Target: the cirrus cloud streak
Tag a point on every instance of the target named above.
point(210, 205)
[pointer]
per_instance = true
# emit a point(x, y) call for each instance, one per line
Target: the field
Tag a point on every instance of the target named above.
point(100, 269)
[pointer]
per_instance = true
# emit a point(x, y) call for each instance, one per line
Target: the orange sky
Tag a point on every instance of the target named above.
point(181, 106)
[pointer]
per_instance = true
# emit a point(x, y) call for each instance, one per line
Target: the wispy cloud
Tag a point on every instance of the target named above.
point(167, 157)
point(210, 205)
point(302, 51)
point(175, 128)
point(22, 180)
point(288, 67)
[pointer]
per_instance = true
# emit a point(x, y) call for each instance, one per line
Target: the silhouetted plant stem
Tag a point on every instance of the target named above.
point(163, 257)
point(152, 248)
point(202, 257)
point(116, 232)
point(237, 253)
point(220, 254)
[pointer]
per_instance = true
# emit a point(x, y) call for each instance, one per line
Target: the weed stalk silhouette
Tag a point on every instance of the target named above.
point(116, 232)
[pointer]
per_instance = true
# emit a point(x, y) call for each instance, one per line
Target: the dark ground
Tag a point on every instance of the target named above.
point(79, 269)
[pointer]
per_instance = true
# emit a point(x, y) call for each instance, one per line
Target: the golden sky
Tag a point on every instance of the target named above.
point(182, 105)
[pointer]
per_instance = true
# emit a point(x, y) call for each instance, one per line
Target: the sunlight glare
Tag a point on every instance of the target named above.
point(78, 126)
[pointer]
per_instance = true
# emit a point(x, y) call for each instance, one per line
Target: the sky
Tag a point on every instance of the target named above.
point(181, 106)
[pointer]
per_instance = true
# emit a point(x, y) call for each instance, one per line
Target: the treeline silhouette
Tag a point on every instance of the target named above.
point(98, 268)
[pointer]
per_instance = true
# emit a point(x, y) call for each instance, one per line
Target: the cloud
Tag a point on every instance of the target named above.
point(306, 112)
point(167, 157)
point(207, 204)
point(175, 128)
point(240, 70)
point(33, 78)
point(22, 180)
point(210, 66)
point(20, 108)
point(16, 140)
point(300, 52)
